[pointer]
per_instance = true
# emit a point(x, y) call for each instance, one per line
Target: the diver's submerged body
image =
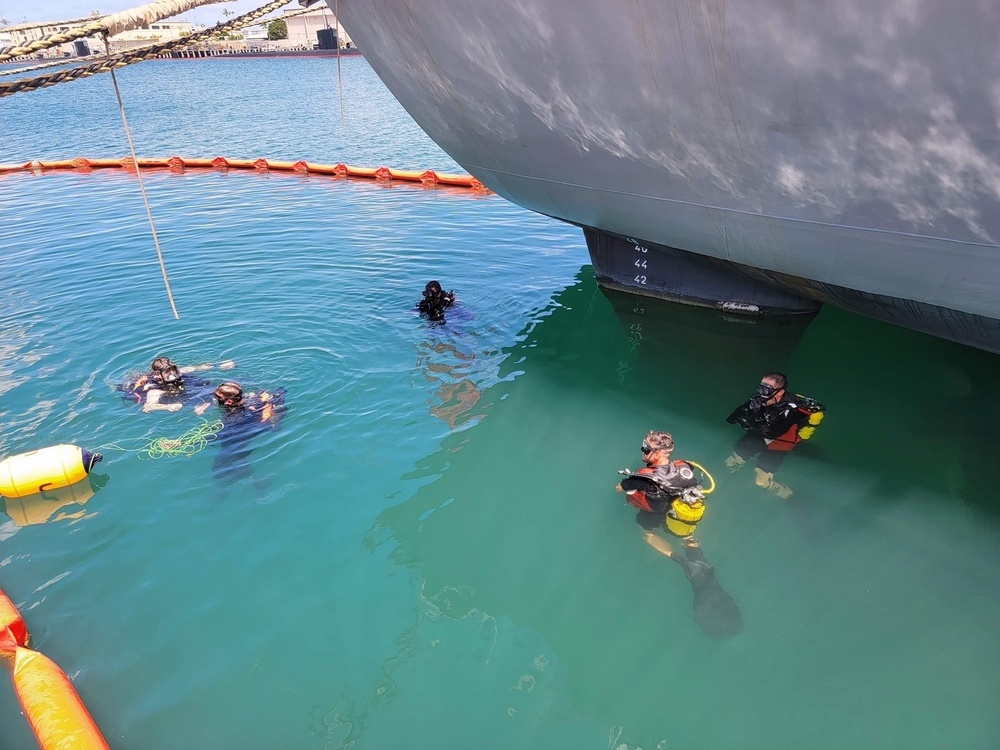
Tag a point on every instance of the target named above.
point(714, 610)
point(668, 492)
point(244, 416)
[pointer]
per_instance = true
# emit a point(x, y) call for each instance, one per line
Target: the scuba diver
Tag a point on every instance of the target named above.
point(776, 422)
point(244, 416)
point(668, 491)
point(165, 388)
point(435, 301)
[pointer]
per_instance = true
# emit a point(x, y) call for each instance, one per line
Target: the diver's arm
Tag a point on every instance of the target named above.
point(267, 404)
point(202, 408)
point(141, 385)
point(738, 412)
point(153, 402)
point(225, 365)
point(623, 472)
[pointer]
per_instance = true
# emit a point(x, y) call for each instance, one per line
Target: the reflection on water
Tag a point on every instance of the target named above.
point(447, 368)
point(42, 507)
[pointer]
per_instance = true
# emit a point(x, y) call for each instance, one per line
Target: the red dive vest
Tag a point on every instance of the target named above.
point(671, 480)
point(810, 414)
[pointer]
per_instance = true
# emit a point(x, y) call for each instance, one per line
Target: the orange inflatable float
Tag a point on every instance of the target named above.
point(57, 716)
point(54, 709)
point(11, 621)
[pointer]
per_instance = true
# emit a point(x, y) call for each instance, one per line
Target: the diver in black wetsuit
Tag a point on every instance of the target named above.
point(243, 418)
point(772, 419)
point(165, 387)
point(435, 301)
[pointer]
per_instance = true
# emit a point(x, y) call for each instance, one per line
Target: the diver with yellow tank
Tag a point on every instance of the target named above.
point(669, 492)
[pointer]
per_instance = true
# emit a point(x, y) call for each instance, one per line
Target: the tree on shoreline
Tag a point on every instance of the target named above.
point(277, 29)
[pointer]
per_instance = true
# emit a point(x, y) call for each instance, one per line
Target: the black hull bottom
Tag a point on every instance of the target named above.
point(638, 267)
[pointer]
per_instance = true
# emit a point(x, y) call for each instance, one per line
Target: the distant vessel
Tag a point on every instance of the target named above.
point(764, 155)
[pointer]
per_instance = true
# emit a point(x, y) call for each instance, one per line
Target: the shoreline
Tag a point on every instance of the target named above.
point(215, 54)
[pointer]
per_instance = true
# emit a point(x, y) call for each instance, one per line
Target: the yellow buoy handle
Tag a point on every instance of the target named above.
point(704, 471)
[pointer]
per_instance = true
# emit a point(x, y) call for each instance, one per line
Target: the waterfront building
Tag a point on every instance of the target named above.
point(303, 27)
point(161, 31)
point(255, 33)
point(15, 35)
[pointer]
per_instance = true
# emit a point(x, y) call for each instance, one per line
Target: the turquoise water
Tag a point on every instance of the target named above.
point(429, 553)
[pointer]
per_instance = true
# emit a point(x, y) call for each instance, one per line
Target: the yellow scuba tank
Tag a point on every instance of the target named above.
point(45, 469)
point(682, 518)
point(816, 412)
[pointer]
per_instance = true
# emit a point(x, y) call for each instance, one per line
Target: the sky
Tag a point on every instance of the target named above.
point(19, 11)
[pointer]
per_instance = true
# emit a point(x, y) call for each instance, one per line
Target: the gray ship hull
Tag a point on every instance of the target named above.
point(847, 152)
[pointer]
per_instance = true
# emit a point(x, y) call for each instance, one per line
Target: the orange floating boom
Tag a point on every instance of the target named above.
point(10, 619)
point(425, 177)
point(54, 709)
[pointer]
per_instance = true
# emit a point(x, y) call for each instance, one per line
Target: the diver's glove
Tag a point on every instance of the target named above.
point(738, 414)
point(625, 472)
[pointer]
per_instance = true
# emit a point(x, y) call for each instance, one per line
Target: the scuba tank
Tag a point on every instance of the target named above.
point(673, 490)
point(816, 412)
point(685, 512)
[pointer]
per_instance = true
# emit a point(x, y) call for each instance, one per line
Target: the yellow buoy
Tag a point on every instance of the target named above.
point(45, 469)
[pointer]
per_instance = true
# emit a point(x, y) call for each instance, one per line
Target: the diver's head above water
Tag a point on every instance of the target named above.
point(229, 396)
point(166, 374)
point(435, 301)
point(770, 390)
point(433, 290)
point(657, 448)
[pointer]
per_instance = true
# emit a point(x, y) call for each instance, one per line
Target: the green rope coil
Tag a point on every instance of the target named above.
point(191, 442)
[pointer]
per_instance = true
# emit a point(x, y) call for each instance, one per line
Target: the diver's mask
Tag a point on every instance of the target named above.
point(170, 377)
point(765, 391)
point(229, 402)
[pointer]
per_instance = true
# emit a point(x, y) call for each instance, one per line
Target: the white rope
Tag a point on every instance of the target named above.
point(340, 77)
point(56, 64)
point(144, 15)
point(142, 187)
